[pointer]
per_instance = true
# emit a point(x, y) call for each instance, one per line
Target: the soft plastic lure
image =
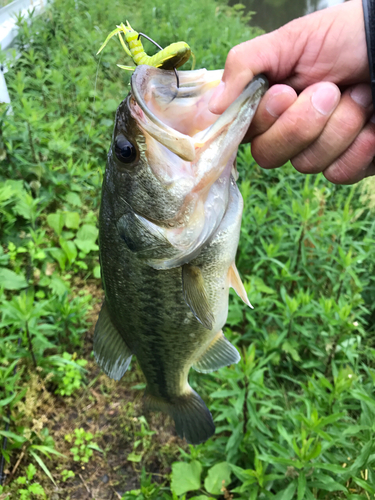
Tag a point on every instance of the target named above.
point(172, 57)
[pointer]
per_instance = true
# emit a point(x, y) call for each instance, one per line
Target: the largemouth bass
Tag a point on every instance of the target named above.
point(169, 227)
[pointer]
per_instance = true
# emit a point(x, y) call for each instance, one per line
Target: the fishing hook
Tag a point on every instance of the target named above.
point(160, 48)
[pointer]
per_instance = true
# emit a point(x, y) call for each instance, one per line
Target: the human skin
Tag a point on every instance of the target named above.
point(318, 112)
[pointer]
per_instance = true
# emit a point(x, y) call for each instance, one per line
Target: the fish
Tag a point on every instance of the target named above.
point(169, 227)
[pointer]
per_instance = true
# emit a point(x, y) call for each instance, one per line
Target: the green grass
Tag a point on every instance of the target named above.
point(295, 418)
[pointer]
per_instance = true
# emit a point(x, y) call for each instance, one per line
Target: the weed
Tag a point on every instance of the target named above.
point(70, 373)
point(67, 474)
point(25, 487)
point(83, 447)
point(295, 417)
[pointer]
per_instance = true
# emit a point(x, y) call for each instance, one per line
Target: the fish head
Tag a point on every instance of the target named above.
point(171, 159)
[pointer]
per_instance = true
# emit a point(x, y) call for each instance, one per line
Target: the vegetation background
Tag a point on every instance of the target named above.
point(295, 418)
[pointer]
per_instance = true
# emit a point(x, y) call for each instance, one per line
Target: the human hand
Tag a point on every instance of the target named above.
point(320, 130)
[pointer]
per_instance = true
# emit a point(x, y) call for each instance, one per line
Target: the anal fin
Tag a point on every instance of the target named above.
point(218, 354)
point(236, 283)
point(110, 350)
point(195, 295)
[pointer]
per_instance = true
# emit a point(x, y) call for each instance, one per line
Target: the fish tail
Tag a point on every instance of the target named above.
point(192, 418)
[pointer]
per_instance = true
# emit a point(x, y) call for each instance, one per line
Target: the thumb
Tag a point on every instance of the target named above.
point(274, 54)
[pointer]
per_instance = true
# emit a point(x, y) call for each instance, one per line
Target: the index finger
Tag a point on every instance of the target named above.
point(273, 54)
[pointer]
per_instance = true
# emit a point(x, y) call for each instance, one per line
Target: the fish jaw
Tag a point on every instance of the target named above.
point(179, 118)
point(189, 150)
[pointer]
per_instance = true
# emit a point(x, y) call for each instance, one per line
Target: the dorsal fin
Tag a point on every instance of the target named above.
point(195, 295)
point(111, 353)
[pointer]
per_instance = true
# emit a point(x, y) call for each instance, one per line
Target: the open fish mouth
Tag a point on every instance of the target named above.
point(179, 117)
point(190, 150)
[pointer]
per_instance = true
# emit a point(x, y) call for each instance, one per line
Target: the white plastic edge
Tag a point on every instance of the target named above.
point(8, 30)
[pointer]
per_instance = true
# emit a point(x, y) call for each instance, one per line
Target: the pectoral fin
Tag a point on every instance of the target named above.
point(195, 295)
point(111, 353)
point(218, 354)
point(236, 283)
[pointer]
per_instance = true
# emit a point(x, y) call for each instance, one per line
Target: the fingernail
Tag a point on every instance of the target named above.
point(361, 94)
point(325, 98)
point(214, 102)
point(276, 105)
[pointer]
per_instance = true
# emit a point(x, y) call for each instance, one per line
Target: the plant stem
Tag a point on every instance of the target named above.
point(244, 409)
point(30, 345)
point(31, 142)
point(299, 252)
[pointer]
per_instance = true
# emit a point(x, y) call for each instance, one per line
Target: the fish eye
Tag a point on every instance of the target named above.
point(125, 151)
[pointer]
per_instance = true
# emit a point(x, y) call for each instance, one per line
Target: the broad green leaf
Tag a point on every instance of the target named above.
point(59, 255)
point(30, 471)
point(186, 477)
point(96, 272)
point(69, 248)
point(72, 220)
point(36, 489)
point(86, 238)
point(11, 280)
point(134, 457)
point(58, 286)
point(4, 257)
point(73, 199)
point(56, 222)
point(217, 477)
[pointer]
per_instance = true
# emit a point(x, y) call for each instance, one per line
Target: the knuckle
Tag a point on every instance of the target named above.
point(234, 55)
point(365, 143)
point(262, 154)
point(307, 162)
point(346, 127)
point(296, 130)
point(337, 173)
